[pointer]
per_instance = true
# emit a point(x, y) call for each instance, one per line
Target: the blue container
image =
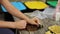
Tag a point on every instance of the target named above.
point(17, 5)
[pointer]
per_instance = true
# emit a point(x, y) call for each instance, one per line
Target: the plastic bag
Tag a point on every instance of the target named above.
point(38, 14)
point(49, 12)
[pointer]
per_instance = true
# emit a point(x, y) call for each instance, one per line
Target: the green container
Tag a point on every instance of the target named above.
point(52, 2)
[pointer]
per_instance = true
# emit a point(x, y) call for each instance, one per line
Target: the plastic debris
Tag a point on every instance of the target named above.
point(55, 28)
point(48, 32)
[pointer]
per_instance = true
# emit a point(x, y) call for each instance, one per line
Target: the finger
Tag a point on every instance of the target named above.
point(36, 20)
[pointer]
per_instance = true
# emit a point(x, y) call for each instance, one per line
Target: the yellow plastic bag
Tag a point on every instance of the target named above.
point(48, 32)
point(55, 28)
point(57, 33)
point(36, 5)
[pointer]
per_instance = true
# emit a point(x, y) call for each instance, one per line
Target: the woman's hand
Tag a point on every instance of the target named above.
point(20, 24)
point(34, 21)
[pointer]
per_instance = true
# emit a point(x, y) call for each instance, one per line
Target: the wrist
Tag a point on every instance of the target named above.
point(11, 25)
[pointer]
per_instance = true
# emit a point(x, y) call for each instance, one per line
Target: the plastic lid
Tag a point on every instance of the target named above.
point(52, 3)
point(18, 5)
point(35, 4)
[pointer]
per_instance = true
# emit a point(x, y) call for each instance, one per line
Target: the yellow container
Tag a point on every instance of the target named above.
point(36, 5)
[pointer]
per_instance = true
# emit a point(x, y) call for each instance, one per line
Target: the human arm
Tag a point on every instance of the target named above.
point(19, 24)
point(12, 10)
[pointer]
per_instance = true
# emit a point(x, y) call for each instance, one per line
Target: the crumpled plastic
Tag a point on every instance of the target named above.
point(37, 14)
point(47, 13)
point(55, 29)
point(48, 32)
